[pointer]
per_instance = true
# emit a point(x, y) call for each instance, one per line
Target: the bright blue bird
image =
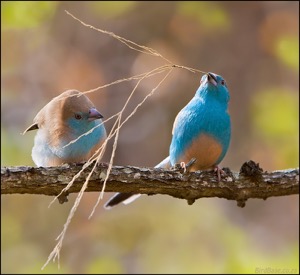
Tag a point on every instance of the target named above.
point(64, 119)
point(201, 131)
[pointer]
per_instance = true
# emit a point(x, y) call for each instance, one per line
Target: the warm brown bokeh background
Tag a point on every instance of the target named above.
point(253, 45)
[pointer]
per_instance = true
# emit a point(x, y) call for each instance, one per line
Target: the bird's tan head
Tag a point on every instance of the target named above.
point(76, 104)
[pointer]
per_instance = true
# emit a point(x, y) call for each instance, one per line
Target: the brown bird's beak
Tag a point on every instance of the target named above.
point(94, 114)
point(212, 79)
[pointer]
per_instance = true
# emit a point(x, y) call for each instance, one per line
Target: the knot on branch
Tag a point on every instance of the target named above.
point(63, 197)
point(251, 169)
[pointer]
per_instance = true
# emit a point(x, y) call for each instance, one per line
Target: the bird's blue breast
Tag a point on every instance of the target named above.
point(201, 130)
point(84, 144)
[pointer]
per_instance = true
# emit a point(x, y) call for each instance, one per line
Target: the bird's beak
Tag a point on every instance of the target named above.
point(94, 114)
point(212, 79)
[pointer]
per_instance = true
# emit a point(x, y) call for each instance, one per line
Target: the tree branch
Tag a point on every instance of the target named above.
point(250, 182)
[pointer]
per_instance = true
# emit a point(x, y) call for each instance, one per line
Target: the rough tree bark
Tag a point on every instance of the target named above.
point(250, 182)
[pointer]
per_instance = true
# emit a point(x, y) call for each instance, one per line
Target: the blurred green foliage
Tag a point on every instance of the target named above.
point(14, 152)
point(275, 114)
point(283, 111)
point(287, 50)
point(105, 264)
point(210, 15)
point(26, 14)
point(112, 9)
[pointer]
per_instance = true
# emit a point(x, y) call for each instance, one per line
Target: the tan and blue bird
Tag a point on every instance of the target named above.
point(63, 120)
point(201, 131)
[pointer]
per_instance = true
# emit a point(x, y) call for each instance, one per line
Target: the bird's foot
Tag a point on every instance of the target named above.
point(187, 166)
point(219, 171)
point(183, 166)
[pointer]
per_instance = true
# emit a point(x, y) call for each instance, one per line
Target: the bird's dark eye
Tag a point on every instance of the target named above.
point(223, 82)
point(77, 116)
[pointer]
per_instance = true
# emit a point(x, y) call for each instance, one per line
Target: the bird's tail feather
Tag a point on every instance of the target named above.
point(164, 163)
point(127, 198)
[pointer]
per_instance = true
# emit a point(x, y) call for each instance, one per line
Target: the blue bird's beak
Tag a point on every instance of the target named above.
point(212, 79)
point(94, 114)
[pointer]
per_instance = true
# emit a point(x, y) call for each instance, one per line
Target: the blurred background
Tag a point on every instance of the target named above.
point(253, 45)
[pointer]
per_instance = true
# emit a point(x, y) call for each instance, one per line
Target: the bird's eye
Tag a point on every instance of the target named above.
point(223, 82)
point(77, 116)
